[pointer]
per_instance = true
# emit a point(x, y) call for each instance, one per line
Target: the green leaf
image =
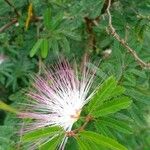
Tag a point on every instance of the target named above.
point(82, 145)
point(137, 72)
point(57, 21)
point(72, 35)
point(102, 140)
point(47, 18)
point(119, 90)
point(112, 106)
point(51, 144)
point(97, 9)
point(102, 129)
point(85, 144)
point(55, 46)
point(6, 107)
point(103, 93)
point(71, 141)
point(40, 133)
point(65, 44)
point(44, 48)
point(36, 47)
point(137, 116)
point(138, 96)
point(119, 125)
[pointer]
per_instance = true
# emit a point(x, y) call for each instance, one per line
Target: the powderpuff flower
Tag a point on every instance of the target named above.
point(57, 98)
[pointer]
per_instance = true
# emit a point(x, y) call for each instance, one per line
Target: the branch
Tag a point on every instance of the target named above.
point(15, 20)
point(74, 132)
point(91, 39)
point(11, 5)
point(123, 42)
point(8, 25)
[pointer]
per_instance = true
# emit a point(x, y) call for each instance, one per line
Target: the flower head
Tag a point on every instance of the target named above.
point(59, 96)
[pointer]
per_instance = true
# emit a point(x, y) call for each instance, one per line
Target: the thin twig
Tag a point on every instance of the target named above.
point(15, 20)
point(123, 42)
point(75, 131)
point(11, 5)
point(8, 25)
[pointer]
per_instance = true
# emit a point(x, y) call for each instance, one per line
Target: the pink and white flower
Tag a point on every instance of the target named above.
point(58, 97)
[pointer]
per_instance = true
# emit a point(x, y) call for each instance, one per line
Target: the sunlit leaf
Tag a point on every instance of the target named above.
point(103, 129)
point(36, 47)
point(82, 145)
point(51, 144)
point(119, 125)
point(112, 106)
point(44, 48)
point(102, 140)
point(8, 108)
point(103, 93)
point(41, 133)
point(47, 18)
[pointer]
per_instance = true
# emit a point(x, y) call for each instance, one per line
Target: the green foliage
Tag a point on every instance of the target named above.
point(6, 142)
point(36, 47)
point(51, 144)
point(55, 35)
point(120, 125)
point(47, 18)
point(53, 134)
point(111, 106)
point(103, 93)
point(101, 140)
point(107, 99)
point(44, 48)
point(66, 27)
point(43, 132)
point(6, 107)
point(5, 70)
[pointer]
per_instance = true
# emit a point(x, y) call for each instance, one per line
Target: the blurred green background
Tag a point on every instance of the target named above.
point(33, 32)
